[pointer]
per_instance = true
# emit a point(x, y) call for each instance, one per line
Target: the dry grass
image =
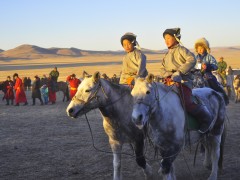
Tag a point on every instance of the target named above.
point(110, 64)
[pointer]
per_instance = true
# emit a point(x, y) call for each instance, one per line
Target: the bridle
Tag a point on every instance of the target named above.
point(156, 99)
point(96, 97)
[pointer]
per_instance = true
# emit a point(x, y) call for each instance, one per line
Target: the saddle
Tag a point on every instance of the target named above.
point(191, 121)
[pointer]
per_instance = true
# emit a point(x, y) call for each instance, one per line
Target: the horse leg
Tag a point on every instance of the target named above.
point(140, 158)
point(207, 156)
point(116, 149)
point(167, 169)
point(215, 154)
point(223, 137)
point(67, 94)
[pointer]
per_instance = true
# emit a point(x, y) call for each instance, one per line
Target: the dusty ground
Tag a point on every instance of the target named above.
point(41, 142)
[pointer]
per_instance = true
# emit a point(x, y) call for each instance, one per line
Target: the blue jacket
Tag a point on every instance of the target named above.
point(209, 60)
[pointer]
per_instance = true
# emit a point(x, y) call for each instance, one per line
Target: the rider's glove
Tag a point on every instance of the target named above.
point(176, 77)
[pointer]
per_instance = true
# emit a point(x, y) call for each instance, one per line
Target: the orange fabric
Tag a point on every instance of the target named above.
point(74, 83)
point(168, 81)
point(130, 82)
point(20, 93)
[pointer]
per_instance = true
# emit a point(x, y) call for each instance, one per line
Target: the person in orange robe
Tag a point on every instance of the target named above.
point(74, 83)
point(20, 93)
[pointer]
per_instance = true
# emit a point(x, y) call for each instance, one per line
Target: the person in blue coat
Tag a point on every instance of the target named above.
point(207, 63)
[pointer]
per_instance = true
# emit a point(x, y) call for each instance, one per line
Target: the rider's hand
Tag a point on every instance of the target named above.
point(204, 66)
point(176, 77)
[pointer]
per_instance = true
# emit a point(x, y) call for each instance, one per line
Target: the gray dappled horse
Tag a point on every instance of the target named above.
point(115, 104)
point(160, 107)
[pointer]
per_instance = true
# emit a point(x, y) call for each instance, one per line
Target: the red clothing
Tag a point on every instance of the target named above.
point(74, 83)
point(51, 91)
point(8, 86)
point(20, 93)
point(52, 96)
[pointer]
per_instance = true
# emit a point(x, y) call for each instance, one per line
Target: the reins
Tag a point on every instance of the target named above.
point(94, 96)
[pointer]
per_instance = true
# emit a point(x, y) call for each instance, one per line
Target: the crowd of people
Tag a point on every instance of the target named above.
point(43, 88)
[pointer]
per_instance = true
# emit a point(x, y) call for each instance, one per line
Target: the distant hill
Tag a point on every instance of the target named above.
point(27, 52)
point(34, 52)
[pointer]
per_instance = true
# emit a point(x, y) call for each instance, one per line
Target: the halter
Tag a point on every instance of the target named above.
point(157, 99)
point(94, 96)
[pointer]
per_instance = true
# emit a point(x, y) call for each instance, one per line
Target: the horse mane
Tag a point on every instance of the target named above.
point(164, 87)
point(117, 87)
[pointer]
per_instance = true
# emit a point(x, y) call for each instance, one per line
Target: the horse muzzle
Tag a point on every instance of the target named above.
point(138, 120)
point(73, 111)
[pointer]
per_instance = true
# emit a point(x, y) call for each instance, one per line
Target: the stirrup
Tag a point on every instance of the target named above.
point(208, 129)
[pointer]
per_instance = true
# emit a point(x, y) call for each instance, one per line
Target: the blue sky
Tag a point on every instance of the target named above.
point(99, 24)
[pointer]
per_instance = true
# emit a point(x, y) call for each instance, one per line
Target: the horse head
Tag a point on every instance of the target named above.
point(145, 98)
point(89, 96)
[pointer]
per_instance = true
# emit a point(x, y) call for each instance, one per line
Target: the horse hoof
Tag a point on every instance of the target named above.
point(148, 172)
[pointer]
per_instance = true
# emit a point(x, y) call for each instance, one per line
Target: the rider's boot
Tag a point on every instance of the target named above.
point(204, 118)
point(225, 97)
point(217, 87)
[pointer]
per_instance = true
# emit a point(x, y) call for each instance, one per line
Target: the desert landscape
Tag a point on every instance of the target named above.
point(42, 142)
point(29, 60)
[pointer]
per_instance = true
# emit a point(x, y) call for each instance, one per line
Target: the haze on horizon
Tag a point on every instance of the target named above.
point(99, 25)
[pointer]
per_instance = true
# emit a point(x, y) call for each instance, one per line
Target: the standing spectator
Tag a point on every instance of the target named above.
point(54, 74)
point(36, 90)
point(222, 66)
point(20, 93)
point(230, 70)
point(25, 83)
point(74, 83)
point(8, 90)
point(44, 92)
point(29, 83)
point(51, 90)
point(44, 80)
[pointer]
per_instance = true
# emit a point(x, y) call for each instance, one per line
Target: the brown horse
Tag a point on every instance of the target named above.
point(63, 86)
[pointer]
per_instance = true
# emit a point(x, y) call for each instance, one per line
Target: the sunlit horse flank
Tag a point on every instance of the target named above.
point(160, 107)
point(115, 104)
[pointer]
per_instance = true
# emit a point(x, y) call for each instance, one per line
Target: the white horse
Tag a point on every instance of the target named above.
point(160, 107)
point(115, 104)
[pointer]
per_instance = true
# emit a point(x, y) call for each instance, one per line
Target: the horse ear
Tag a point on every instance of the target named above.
point(96, 76)
point(150, 78)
